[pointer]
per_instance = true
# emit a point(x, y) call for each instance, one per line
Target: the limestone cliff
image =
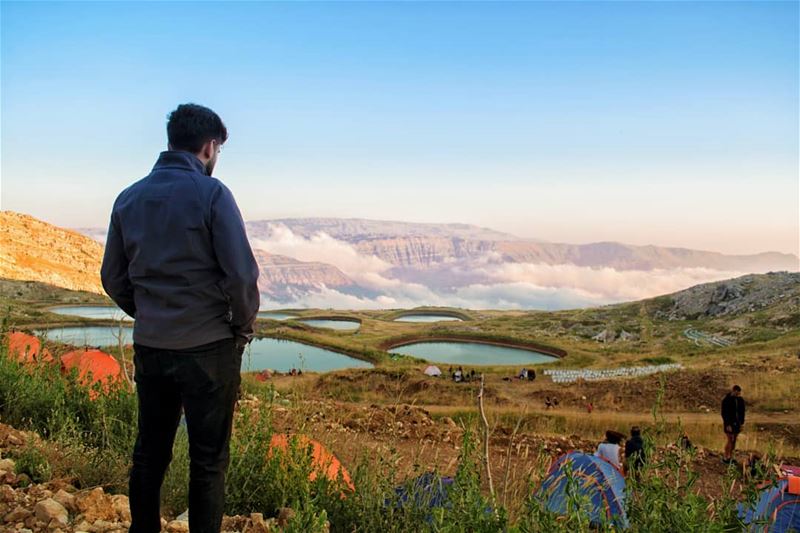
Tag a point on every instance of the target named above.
point(283, 278)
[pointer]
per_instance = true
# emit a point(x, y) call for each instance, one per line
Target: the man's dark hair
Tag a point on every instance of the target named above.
point(737, 388)
point(191, 126)
point(635, 431)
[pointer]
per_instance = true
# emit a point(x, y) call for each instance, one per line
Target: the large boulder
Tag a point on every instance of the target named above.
point(50, 511)
point(67, 500)
point(8, 465)
point(96, 505)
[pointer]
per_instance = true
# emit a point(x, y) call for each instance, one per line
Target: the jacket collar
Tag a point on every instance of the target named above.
point(179, 159)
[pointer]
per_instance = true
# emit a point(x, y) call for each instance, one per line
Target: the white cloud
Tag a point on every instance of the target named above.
point(485, 283)
point(324, 248)
point(607, 283)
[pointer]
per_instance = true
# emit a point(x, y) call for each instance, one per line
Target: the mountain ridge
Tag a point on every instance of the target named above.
point(413, 269)
point(445, 238)
point(412, 250)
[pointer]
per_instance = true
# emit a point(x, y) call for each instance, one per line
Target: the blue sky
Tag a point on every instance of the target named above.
point(662, 123)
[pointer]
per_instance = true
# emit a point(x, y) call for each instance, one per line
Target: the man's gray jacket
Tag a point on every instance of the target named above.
point(177, 258)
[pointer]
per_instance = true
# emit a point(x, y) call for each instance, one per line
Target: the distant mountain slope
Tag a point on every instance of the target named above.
point(357, 229)
point(408, 245)
point(427, 246)
point(630, 257)
point(426, 252)
point(283, 279)
point(98, 234)
point(33, 250)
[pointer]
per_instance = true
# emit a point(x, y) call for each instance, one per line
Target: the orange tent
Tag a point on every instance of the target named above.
point(264, 375)
point(27, 348)
point(93, 366)
point(322, 461)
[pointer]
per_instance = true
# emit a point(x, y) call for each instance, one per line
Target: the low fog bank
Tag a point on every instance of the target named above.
point(483, 283)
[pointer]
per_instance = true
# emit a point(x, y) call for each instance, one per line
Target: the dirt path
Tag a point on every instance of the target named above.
point(622, 416)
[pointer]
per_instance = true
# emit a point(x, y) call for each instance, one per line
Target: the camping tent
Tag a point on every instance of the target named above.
point(425, 491)
point(322, 461)
point(26, 348)
point(790, 470)
point(93, 366)
point(600, 487)
point(264, 375)
point(433, 371)
point(777, 509)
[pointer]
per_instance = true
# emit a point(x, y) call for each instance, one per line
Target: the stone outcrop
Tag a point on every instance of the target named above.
point(745, 294)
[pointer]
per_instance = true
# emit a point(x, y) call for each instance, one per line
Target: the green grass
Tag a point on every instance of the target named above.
point(90, 442)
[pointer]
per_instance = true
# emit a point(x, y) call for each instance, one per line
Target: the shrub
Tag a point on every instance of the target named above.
point(32, 462)
point(659, 360)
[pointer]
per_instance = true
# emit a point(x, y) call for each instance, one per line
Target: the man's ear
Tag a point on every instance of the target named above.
point(207, 151)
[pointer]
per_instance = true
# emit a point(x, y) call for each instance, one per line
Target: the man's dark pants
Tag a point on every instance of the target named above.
point(205, 382)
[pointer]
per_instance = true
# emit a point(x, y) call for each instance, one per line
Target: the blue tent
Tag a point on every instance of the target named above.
point(579, 480)
point(777, 509)
point(425, 491)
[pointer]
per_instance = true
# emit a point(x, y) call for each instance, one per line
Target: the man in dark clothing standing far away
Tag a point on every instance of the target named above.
point(732, 420)
point(177, 259)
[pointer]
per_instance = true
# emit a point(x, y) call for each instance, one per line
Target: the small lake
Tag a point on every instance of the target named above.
point(99, 312)
point(343, 324)
point(282, 355)
point(427, 318)
point(88, 336)
point(472, 353)
point(275, 315)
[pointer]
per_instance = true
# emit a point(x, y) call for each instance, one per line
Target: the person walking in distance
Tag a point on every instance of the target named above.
point(177, 259)
point(732, 420)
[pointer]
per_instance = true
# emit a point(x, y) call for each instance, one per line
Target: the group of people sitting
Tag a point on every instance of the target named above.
point(627, 460)
point(460, 375)
point(269, 374)
point(630, 459)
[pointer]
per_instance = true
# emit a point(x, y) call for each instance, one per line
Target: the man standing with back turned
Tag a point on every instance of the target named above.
point(177, 259)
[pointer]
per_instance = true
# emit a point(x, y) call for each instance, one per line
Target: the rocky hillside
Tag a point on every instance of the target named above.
point(33, 250)
point(778, 291)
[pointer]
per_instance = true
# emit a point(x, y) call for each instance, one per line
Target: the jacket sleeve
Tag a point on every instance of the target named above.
point(114, 271)
point(725, 411)
point(741, 411)
point(235, 257)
